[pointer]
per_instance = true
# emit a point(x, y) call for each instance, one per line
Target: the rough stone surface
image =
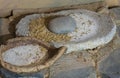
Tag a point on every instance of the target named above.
point(5, 12)
point(13, 4)
point(8, 74)
point(110, 66)
point(116, 12)
point(74, 65)
point(4, 30)
point(87, 72)
point(112, 3)
point(84, 64)
point(62, 25)
point(118, 29)
point(22, 11)
point(4, 26)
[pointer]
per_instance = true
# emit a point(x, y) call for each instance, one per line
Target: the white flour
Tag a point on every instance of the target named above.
point(23, 55)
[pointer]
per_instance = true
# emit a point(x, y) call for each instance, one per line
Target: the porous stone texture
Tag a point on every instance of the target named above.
point(8, 74)
point(110, 66)
point(74, 65)
point(116, 12)
point(62, 25)
point(97, 63)
point(88, 34)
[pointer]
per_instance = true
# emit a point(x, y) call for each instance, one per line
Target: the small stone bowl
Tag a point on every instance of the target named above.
point(51, 55)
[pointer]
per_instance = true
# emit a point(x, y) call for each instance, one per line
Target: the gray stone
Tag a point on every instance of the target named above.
point(104, 75)
point(74, 65)
point(8, 74)
point(110, 66)
point(118, 30)
point(88, 72)
point(116, 12)
point(61, 25)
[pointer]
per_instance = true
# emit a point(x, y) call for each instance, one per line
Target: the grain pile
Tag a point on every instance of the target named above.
point(24, 55)
point(38, 29)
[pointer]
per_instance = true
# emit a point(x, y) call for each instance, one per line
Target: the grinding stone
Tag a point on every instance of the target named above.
point(62, 25)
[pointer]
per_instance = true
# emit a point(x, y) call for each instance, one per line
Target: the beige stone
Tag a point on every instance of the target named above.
point(25, 4)
point(112, 3)
point(72, 61)
point(5, 12)
point(91, 6)
point(4, 30)
point(4, 26)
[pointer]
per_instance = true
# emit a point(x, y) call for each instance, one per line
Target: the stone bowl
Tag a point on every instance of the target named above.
point(102, 30)
point(51, 56)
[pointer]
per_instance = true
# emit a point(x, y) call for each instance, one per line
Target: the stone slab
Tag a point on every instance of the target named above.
point(17, 12)
point(74, 65)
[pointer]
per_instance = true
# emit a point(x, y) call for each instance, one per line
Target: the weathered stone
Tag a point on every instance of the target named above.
point(112, 3)
point(4, 26)
point(62, 25)
point(88, 72)
point(116, 42)
point(13, 4)
point(8, 74)
point(116, 12)
point(103, 10)
point(92, 6)
point(74, 65)
point(110, 66)
point(4, 30)
point(118, 30)
point(5, 12)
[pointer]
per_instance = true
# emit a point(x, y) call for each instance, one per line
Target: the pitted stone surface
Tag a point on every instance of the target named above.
point(74, 65)
point(88, 72)
point(62, 25)
point(8, 74)
point(110, 66)
point(116, 12)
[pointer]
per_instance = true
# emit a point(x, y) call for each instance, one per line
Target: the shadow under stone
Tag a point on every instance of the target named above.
point(4, 38)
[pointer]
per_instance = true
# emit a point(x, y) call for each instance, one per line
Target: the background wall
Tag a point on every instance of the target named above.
point(14, 4)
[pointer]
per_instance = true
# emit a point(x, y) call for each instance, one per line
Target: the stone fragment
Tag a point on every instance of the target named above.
point(110, 66)
point(62, 25)
point(112, 3)
point(8, 74)
point(99, 4)
point(116, 12)
point(4, 30)
point(4, 26)
point(5, 13)
point(74, 65)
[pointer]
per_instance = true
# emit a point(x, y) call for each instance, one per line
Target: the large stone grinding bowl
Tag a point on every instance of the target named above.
point(51, 56)
point(104, 33)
